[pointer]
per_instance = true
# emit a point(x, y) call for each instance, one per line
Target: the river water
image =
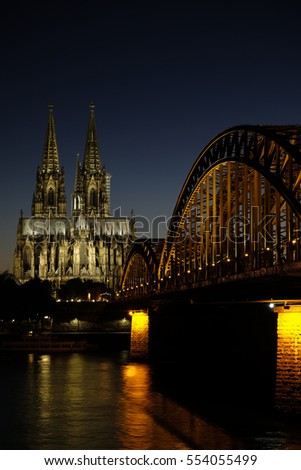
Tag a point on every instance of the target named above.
point(98, 401)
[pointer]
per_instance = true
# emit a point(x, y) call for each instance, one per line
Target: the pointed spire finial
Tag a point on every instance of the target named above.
point(50, 160)
point(91, 155)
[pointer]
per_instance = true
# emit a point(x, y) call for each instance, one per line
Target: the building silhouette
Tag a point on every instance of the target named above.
point(90, 244)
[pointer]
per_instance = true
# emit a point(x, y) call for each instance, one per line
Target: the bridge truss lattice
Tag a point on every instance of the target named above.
point(239, 210)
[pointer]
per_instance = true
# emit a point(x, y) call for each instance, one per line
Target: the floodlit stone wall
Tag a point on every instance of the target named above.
point(288, 375)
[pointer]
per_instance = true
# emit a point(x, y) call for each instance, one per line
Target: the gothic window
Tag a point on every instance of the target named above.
point(27, 260)
point(93, 198)
point(97, 257)
point(70, 257)
point(83, 256)
point(56, 260)
point(37, 256)
point(50, 197)
point(77, 202)
point(49, 258)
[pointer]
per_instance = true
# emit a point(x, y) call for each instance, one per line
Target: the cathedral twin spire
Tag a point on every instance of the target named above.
point(49, 200)
point(91, 158)
point(50, 161)
point(92, 183)
point(91, 195)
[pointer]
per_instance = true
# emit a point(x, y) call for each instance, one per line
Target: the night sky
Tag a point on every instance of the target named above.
point(165, 78)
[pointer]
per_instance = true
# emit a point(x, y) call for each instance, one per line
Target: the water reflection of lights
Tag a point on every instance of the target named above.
point(31, 358)
point(135, 419)
point(94, 402)
point(44, 387)
point(138, 428)
point(137, 382)
point(45, 359)
point(130, 370)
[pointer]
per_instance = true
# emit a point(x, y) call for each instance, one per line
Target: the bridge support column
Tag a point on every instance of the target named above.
point(288, 373)
point(139, 335)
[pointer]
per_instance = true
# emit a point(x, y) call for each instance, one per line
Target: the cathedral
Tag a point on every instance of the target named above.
point(90, 243)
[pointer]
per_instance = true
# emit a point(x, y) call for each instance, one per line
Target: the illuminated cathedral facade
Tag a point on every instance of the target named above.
point(90, 244)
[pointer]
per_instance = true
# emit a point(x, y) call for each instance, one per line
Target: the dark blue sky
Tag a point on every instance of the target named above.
point(165, 78)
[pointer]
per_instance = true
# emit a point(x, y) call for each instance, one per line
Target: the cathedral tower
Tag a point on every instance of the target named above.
point(92, 183)
point(49, 198)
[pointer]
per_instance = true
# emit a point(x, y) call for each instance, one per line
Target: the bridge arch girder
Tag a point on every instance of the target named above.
point(273, 152)
point(141, 268)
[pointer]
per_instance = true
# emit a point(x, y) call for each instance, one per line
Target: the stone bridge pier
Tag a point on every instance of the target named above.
point(239, 353)
point(288, 372)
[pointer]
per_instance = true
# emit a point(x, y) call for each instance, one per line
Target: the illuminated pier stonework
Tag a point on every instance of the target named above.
point(288, 374)
point(139, 335)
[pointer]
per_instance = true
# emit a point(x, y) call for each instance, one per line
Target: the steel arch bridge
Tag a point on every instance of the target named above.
point(239, 212)
point(140, 272)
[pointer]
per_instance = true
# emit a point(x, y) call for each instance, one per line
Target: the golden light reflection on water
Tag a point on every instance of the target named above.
point(134, 420)
point(31, 358)
point(78, 401)
point(145, 408)
point(44, 388)
point(90, 401)
point(138, 429)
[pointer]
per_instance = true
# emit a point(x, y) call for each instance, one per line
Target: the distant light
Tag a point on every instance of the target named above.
point(271, 305)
